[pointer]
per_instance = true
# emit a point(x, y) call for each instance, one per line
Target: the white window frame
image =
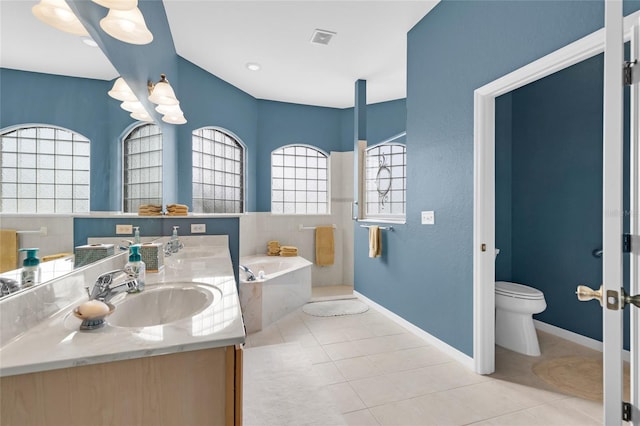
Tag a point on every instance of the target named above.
point(328, 184)
point(243, 164)
point(56, 185)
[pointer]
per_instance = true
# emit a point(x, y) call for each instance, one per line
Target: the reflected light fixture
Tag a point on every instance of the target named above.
point(141, 116)
point(118, 4)
point(127, 25)
point(162, 93)
point(133, 106)
point(121, 91)
point(59, 15)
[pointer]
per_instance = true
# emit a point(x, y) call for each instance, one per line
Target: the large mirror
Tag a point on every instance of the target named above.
point(28, 45)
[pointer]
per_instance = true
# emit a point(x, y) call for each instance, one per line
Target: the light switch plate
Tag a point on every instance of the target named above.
point(428, 217)
point(124, 229)
point(198, 228)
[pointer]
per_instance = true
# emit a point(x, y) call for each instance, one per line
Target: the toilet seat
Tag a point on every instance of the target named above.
point(518, 291)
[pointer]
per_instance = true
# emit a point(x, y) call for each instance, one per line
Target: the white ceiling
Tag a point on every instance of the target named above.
point(223, 36)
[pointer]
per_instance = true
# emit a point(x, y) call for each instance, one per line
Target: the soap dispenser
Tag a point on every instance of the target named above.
point(30, 268)
point(136, 235)
point(136, 266)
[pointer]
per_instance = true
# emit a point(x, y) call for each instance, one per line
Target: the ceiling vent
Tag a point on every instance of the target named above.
point(322, 37)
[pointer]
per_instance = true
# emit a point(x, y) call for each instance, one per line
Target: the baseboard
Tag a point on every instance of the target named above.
point(458, 356)
point(575, 337)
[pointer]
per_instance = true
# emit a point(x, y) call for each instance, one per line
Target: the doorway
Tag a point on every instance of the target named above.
point(484, 182)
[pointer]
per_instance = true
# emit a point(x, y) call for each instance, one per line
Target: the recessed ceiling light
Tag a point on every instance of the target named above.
point(252, 66)
point(89, 41)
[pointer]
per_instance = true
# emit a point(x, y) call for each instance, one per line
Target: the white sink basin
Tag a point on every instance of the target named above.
point(163, 304)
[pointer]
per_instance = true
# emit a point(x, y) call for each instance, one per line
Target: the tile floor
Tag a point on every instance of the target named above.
point(375, 372)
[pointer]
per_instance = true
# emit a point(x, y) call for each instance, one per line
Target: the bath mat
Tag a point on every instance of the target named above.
point(334, 308)
point(577, 376)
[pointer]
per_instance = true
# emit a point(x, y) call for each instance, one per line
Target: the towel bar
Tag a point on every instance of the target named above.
point(301, 227)
point(384, 228)
point(41, 231)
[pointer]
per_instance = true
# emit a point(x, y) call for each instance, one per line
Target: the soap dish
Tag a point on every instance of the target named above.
point(93, 322)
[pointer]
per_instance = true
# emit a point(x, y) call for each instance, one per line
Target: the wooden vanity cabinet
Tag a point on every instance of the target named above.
point(202, 387)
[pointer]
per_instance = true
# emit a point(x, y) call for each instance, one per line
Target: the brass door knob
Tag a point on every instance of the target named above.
point(585, 294)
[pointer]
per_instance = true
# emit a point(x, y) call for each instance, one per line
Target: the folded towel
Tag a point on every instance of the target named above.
point(375, 241)
point(288, 251)
point(8, 250)
point(325, 249)
point(51, 257)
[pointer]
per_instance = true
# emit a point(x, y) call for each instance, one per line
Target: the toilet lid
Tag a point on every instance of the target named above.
point(518, 290)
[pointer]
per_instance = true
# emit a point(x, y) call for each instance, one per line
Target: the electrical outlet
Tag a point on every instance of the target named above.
point(124, 229)
point(428, 217)
point(198, 228)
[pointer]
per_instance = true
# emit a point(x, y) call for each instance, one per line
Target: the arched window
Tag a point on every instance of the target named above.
point(386, 180)
point(299, 180)
point(142, 151)
point(45, 169)
point(218, 171)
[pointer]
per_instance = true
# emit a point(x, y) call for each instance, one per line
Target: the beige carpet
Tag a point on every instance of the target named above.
point(577, 376)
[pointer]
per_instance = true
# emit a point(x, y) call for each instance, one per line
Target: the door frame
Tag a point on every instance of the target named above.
point(484, 179)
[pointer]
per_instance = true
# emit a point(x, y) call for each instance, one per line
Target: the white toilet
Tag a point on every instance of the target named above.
point(515, 306)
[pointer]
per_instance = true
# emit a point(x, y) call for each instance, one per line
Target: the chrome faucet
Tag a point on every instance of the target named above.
point(250, 275)
point(173, 245)
point(111, 283)
point(8, 286)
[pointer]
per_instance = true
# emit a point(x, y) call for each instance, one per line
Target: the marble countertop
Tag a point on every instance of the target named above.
point(58, 343)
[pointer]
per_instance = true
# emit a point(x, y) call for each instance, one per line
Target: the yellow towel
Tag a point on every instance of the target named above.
point(8, 250)
point(375, 241)
point(324, 245)
point(51, 257)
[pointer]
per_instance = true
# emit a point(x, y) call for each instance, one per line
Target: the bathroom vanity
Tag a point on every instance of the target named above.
point(172, 355)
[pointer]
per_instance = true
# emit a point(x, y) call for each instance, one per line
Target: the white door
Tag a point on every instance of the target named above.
point(612, 296)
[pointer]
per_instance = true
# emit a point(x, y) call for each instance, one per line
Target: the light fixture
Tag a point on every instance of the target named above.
point(172, 114)
point(118, 4)
point(174, 119)
point(127, 25)
point(141, 116)
point(252, 66)
point(121, 91)
point(162, 93)
point(59, 15)
point(133, 106)
point(169, 109)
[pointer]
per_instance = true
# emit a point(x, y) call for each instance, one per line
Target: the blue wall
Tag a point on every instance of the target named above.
point(78, 104)
point(281, 123)
point(557, 192)
point(427, 274)
point(503, 187)
point(210, 101)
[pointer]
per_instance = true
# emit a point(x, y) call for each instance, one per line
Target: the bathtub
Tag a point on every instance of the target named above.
point(283, 284)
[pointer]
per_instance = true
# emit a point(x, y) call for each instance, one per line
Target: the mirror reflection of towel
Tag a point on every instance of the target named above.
point(375, 241)
point(325, 249)
point(8, 250)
